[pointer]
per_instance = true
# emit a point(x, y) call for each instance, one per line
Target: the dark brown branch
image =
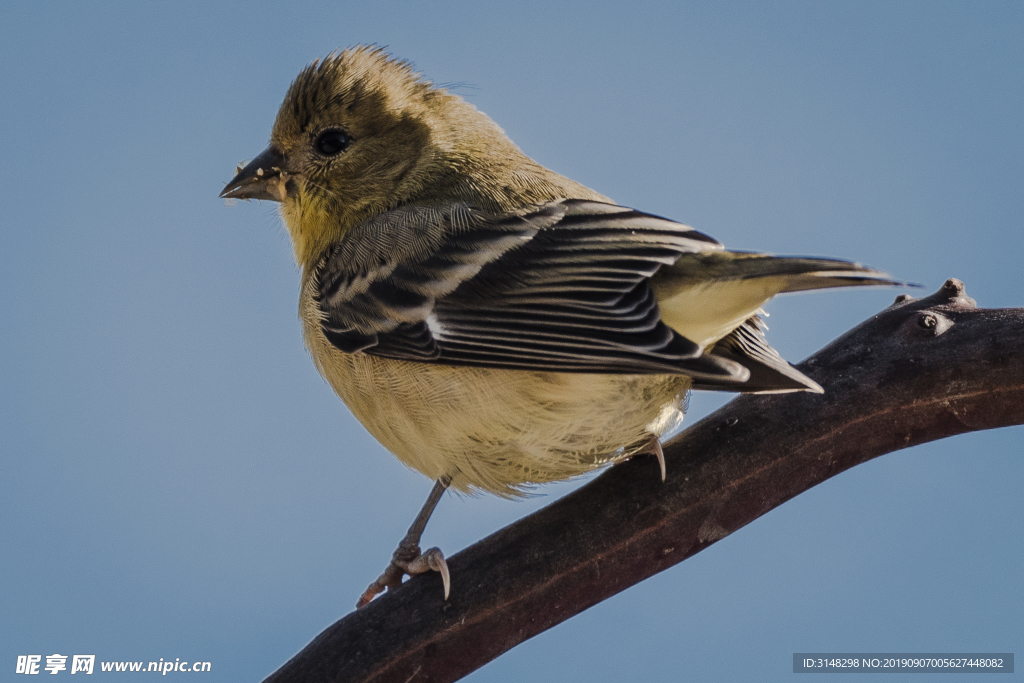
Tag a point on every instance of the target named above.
point(921, 370)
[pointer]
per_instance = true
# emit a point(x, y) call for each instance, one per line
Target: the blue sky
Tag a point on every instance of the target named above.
point(176, 480)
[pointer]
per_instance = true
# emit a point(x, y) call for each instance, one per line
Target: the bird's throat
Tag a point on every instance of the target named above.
point(312, 231)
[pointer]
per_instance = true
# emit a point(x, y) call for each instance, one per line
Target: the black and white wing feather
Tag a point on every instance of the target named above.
point(561, 288)
point(770, 373)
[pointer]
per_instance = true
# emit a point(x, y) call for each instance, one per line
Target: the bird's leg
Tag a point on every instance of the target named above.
point(408, 559)
point(653, 447)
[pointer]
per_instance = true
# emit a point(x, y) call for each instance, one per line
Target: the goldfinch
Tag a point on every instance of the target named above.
point(492, 323)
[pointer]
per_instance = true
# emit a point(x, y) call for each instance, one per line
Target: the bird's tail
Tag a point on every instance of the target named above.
point(712, 298)
point(796, 273)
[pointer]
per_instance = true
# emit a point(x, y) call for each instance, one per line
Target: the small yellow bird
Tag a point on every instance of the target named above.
point(491, 322)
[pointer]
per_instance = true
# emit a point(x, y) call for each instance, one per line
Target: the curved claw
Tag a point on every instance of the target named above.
point(660, 454)
point(432, 560)
point(653, 447)
point(438, 564)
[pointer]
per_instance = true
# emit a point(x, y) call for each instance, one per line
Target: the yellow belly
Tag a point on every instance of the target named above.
point(498, 430)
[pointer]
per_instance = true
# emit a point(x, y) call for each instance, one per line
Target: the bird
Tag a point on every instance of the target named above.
point(492, 323)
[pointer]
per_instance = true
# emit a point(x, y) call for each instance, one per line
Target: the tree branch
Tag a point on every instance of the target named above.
point(923, 369)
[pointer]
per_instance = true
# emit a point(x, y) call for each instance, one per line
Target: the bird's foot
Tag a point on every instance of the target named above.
point(407, 560)
point(653, 447)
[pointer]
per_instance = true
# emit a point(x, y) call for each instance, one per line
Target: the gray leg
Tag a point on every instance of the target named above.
point(408, 559)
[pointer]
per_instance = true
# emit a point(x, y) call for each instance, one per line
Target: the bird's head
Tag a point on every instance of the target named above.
point(360, 133)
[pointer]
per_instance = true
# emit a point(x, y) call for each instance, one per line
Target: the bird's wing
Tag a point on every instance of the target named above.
point(563, 287)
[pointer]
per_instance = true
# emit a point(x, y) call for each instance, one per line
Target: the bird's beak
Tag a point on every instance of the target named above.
point(263, 178)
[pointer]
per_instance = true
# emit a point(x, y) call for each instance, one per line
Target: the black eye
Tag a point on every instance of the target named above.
point(332, 142)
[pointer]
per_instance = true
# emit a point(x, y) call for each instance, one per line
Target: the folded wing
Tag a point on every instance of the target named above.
point(562, 288)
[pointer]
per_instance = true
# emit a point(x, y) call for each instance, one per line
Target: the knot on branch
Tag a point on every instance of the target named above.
point(951, 293)
point(926, 325)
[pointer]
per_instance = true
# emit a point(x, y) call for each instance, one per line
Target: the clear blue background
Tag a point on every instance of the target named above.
point(176, 480)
